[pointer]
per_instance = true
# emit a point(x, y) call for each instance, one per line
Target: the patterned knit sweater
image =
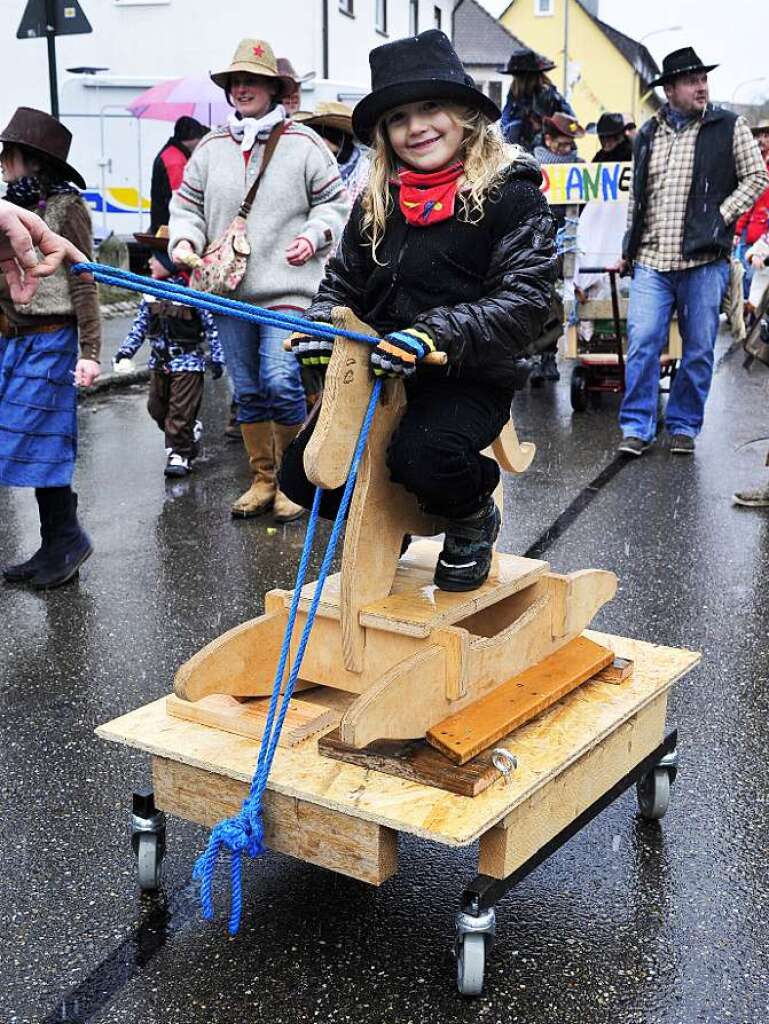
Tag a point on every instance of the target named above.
point(62, 297)
point(301, 195)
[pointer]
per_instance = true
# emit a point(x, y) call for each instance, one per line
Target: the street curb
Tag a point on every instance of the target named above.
point(113, 381)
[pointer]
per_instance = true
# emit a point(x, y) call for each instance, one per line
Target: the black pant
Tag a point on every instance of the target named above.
point(173, 403)
point(434, 453)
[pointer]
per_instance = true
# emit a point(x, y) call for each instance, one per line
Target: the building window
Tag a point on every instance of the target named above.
point(542, 8)
point(381, 16)
point(413, 17)
point(437, 17)
point(347, 7)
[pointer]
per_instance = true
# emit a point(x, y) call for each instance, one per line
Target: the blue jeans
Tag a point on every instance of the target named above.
point(266, 381)
point(696, 295)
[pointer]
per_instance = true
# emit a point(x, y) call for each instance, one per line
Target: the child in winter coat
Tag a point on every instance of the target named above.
point(40, 365)
point(177, 362)
point(449, 248)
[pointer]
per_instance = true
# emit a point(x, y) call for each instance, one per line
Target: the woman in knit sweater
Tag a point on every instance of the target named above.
point(39, 364)
point(297, 217)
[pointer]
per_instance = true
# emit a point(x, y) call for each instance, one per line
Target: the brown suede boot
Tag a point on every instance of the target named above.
point(284, 509)
point(258, 439)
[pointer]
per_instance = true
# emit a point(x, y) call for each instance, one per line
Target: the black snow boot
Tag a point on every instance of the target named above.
point(465, 560)
point(23, 571)
point(69, 545)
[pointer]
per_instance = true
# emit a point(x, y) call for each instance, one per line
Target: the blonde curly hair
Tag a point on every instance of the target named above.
point(484, 154)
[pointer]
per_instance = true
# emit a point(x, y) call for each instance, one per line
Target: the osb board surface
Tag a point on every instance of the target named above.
point(415, 605)
point(544, 748)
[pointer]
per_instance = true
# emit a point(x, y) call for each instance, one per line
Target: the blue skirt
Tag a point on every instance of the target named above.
point(38, 409)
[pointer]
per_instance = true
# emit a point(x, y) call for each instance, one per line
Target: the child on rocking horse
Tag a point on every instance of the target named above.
point(450, 248)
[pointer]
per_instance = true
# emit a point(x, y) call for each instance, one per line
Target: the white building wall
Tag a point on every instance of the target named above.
point(142, 42)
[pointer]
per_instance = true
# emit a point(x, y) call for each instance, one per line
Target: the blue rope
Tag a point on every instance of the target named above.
point(214, 303)
point(245, 831)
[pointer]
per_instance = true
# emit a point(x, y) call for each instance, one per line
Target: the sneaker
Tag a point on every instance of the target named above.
point(465, 560)
point(197, 432)
point(177, 465)
point(757, 498)
point(549, 368)
point(681, 444)
point(632, 446)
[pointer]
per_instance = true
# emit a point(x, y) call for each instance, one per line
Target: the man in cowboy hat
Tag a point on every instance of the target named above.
point(696, 168)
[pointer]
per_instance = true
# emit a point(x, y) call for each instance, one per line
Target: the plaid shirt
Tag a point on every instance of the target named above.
point(671, 168)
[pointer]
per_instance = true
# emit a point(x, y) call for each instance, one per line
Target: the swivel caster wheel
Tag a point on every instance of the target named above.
point(148, 840)
point(653, 793)
point(475, 935)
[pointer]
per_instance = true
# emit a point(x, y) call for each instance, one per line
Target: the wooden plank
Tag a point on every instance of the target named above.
point(468, 732)
point(416, 761)
point(248, 718)
point(550, 809)
point(415, 606)
point(544, 747)
point(348, 845)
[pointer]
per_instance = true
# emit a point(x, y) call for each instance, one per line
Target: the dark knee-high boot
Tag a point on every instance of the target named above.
point(23, 571)
point(68, 544)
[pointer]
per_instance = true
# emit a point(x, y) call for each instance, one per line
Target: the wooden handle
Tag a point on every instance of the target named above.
point(431, 359)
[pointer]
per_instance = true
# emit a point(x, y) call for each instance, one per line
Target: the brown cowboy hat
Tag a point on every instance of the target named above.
point(157, 242)
point(563, 124)
point(43, 134)
point(256, 57)
point(328, 114)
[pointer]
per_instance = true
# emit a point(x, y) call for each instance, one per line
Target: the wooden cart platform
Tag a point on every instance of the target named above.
point(346, 818)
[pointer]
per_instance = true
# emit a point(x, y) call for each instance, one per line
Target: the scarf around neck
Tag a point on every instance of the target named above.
point(246, 130)
point(426, 199)
point(676, 119)
point(26, 191)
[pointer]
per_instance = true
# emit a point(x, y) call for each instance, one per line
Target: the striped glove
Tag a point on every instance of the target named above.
point(312, 352)
point(397, 354)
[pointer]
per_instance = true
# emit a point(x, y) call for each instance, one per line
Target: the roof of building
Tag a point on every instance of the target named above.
point(479, 38)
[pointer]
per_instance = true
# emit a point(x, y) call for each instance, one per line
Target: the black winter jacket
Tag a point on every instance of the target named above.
point(482, 291)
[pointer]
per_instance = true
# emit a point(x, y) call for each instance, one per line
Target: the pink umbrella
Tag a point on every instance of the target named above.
point(193, 97)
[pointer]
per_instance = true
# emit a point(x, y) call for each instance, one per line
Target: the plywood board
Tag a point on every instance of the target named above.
point(248, 718)
point(508, 707)
point(544, 748)
point(416, 761)
point(545, 813)
point(351, 846)
point(415, 606)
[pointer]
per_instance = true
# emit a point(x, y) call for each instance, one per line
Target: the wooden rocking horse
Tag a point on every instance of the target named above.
point(412, 653)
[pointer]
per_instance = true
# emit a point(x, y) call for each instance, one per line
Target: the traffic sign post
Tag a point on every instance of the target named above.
point(51, 18)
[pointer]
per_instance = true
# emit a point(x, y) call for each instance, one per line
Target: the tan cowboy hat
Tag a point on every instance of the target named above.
point(257, 58)
point(327, 114)
point(762, 126)
point(44, 135)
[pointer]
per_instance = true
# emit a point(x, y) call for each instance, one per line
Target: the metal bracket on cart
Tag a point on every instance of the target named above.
point(148, 839)
point(476, 921)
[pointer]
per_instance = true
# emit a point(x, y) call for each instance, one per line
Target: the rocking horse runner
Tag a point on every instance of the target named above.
point(450, 249)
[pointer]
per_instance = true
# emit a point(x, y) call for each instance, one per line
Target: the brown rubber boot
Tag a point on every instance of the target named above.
point(257, 437)
point(284, 510)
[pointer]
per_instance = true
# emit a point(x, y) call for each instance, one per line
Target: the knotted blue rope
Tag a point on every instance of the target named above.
point(214, 303)
point(244, 833)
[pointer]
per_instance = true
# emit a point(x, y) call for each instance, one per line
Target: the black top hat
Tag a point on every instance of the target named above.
point(680, 62)
point(526, 60)
point(423, 67)
point(42, 134)
point(610, 124)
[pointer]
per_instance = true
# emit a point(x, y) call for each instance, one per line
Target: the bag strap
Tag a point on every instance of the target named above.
point(269, 149)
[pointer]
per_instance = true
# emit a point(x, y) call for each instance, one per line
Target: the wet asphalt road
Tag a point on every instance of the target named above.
point(631, 923)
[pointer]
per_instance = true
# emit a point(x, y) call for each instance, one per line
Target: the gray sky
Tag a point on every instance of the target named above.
point(733, 35)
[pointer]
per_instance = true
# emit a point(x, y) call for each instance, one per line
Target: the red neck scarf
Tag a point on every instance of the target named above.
point(426, 199)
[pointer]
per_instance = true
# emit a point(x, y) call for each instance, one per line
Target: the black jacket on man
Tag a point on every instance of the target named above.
point(623, 153)
point(482, 291)
point(714, 178)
